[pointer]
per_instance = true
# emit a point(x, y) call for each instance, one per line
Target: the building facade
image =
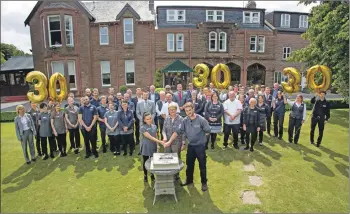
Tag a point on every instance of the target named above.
point(109, 44)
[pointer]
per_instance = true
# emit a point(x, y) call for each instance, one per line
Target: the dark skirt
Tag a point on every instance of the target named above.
point(251, 128)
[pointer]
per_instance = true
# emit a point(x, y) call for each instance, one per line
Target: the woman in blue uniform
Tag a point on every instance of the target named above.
point(279, 108)
point(263, 113)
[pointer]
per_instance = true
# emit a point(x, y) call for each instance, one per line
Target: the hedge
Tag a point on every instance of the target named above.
point(334, 104)
point(159, 89)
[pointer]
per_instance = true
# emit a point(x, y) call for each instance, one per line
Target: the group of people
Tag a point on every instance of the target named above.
point(166, 118)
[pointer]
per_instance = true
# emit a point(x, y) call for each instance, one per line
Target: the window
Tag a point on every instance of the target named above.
point(212, 41)
point(215, 15)
point(128, 31)
point(57, 67)
point(71, 75)
point(130, 72)
point(54, 24)
point(286, 52)
point(279, 77)
point(179, 42)
point(257, 44)
point(105, 73)
point(69, 30)
point(251, 17)
point(170, 42)
point(44, 33)
point(222, 41)
point(303, 21)
point(104, 38)
point(285, 20)
point(175, 16)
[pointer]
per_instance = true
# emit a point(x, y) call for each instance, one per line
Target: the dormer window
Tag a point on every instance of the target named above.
point(54, 26)
point(285, 20)
point(251, 17)
point(215, 15)
point(176, 16)
point(303, 21)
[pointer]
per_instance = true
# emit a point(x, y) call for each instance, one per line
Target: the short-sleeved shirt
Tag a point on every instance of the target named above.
point(170, 126)
point(45, 125)
point(72, 113)
point(112, 119)
point(58, 122)
point(101, 110)
point(88, 113)
point(148, 146)
point(232, 107)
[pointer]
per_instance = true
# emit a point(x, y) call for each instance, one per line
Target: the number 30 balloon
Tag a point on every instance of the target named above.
point(227, 76)
point(327, 78)
point(293, 84)
point(63, 86)
point(202, 79)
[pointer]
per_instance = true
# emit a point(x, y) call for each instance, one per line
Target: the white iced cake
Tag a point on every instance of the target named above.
point(165, 161)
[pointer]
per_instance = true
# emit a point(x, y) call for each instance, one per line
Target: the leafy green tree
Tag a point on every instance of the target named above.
point(328, 34)
point(9, 50)
point(3, 60)
point(158, 79)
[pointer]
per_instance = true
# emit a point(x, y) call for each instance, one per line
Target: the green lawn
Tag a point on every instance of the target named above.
point(297, 178)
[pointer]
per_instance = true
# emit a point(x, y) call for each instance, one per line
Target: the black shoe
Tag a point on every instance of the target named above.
point(279, 138)
point(104, 150)
point(186, 183)
point(115, 153)
point(295, 142)
point(39, 154)
point(261, 143)
point(96, 155)
point(152, 178)
point(290, 141)
point(28, 162)
point(125, 154)
point(225, 146)
point(52, 156)
point(46, 157)
point(235, 146)
point(312, 143)
point(204, 187)
point(246, 148)
point(251, 149)
point(145, 178)
point(118, 153)
point(206, 147)
point(76, 151)
point(33, 160)
point(87, 156)
point(62, 154)
point(70, 148)
point(137, 142)
point(318, 145)
point(130, 154)
point(243, 142)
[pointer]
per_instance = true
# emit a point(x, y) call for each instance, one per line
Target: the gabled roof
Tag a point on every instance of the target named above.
point(106, 11)
point(128, 7)
point(177, 66)
point(18, 63)
point(58, 5)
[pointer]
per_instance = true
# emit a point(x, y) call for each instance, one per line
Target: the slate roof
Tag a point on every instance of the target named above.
point(107, 11)
point(59, 5)
point(18, 63)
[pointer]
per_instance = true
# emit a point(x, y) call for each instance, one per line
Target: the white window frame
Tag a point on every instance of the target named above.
point(255, 43)
point(48, 24)
point(44, 33)
point(281, 78)
point(285, 20)
point(75, 75)
point(216, 41)
point(100, 34)
point(172, 41)
point(52, 71)
point(303, 21)
point(251, 18)
point(132, 31)
point(69, 30)
point(263, 44)
point(126, 71)
point(103, 72)
point(176, 15)
point(183, 42)
point(225, 42)
point(215, 15)
point(286, 54)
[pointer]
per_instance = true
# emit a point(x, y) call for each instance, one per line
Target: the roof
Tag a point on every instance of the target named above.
point(18, 63)
point(177, 66)
point(58, 5)
point(208, 7)
point(295, 12)
point(107, 11)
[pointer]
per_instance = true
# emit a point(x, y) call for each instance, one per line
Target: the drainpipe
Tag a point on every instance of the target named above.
point(244, 76)
point(150, 53)
point(78, 71)
point(116, 56)
point(190, 52)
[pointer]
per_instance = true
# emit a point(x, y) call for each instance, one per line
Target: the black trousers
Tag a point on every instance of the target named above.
point(242, 133)
point(37, 141)
point(44, 145)
point(252, 137)
point(278, 120)
point(193, 153)
point(74, 137)
point(127, 140)
point(137, 130)
point(115, 143)
point(103, 136)
point(62, 142)
point(268, 124)
point(145, 158)
point(212, 136)
point(320, 122)
point(90, 137)
point(160, 127)
point(261, 136)
point(294, 124)
point(228, 128)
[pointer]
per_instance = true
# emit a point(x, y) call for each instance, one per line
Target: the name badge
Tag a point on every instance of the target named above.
point(325, 106)
point(196, 126)
point(255, 111)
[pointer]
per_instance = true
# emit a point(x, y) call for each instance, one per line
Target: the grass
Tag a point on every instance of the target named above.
point(297, 178)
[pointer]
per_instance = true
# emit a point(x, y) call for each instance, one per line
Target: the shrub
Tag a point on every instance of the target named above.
point(159, 89)
point(158, 79)
point(122, 89)
point(8, 116)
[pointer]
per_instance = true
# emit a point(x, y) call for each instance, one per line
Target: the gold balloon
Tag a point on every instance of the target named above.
point(227, 76)
point(63, 87)
point(327, 78)
point(293, 84)
point(202, 79)
point(40, 85)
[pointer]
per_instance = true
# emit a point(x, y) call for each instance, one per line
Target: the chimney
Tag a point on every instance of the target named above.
point(151, 6)
point(251, 4)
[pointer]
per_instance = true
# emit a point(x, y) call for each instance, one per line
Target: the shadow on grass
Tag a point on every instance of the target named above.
point(188, 201)
point(320, 167)
point(343, 169)
point(342, 118)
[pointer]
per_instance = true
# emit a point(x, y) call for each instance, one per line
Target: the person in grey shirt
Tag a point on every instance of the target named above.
point(112, 129)
point(59, 128)
point(71, 116)
point(46, 131)
point(195, 127)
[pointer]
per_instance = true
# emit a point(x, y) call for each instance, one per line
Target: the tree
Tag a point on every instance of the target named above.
point(328, 34)
point(158, 79)
point(3, 60)
point(9, 50)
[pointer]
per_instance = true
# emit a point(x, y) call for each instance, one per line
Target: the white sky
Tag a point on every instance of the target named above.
point(13, 14)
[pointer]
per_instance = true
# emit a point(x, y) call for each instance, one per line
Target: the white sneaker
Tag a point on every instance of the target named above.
point(260, 143)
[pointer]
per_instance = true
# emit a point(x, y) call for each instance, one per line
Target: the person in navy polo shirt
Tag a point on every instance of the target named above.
point(101, 110)
point(95, 100)
point(87, 118)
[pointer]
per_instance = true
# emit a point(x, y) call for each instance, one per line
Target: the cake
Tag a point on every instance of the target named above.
point(165, 161)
